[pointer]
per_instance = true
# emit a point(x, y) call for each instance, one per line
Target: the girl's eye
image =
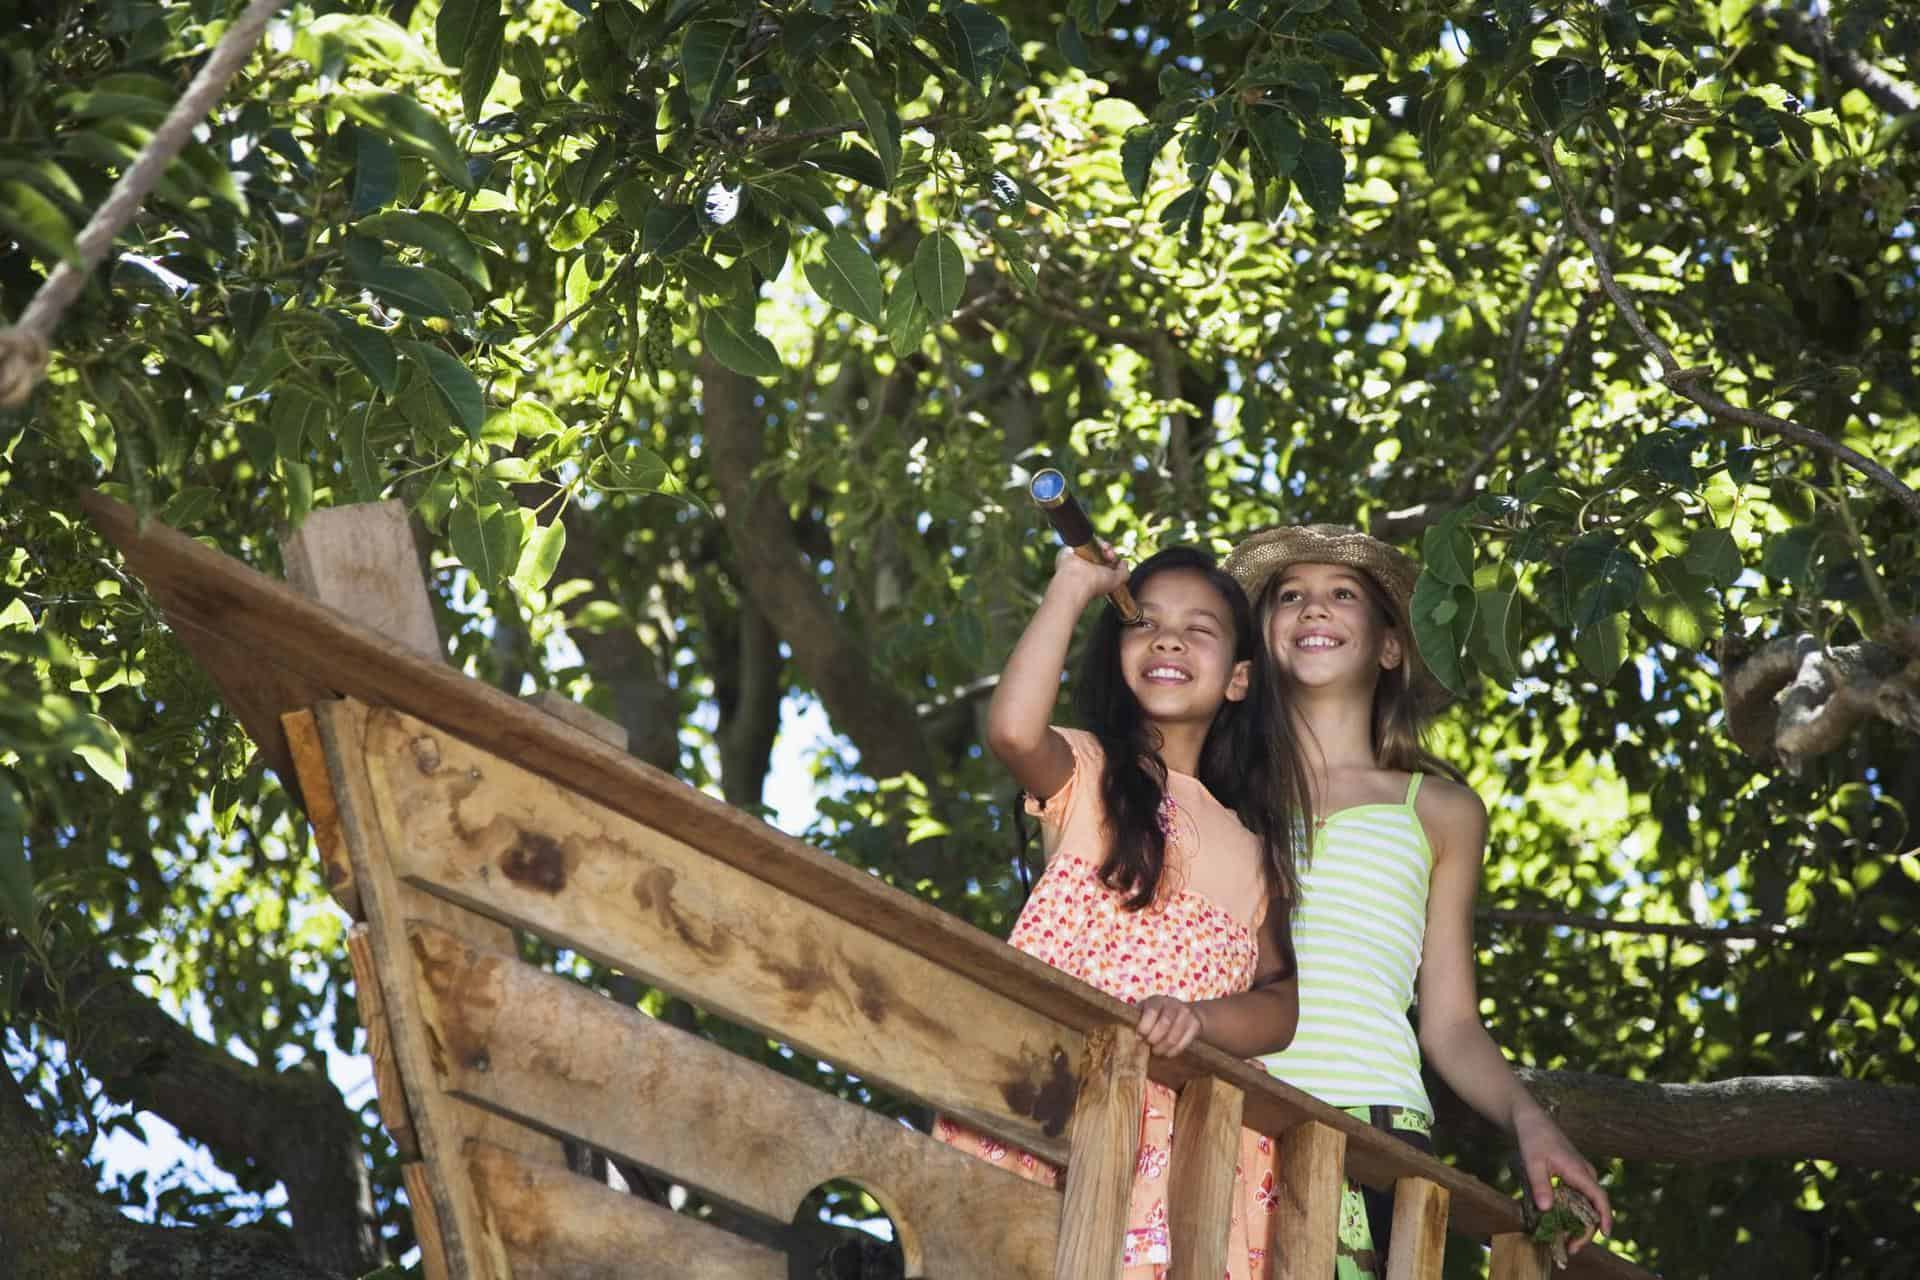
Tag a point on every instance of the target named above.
point(1289, 596)
point(1345, 593)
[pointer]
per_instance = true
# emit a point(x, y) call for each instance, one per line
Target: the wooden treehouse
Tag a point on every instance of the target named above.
point(451, 815)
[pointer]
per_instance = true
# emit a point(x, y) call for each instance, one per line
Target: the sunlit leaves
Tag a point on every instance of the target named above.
point(730, 336)
point(847, 277)
point(412, 127)
point(939, 274)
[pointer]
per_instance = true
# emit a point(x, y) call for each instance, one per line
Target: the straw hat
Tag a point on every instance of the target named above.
point(1267, 552)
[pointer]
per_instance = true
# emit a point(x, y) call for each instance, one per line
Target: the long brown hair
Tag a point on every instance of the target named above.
point(1400, 713)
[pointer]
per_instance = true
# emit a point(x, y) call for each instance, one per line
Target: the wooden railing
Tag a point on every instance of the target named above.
point(451, 815)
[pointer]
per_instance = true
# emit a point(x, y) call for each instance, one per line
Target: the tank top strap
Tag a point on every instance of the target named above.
point(1413, 788)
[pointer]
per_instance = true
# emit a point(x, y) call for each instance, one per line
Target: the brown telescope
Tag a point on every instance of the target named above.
point(1049, 492)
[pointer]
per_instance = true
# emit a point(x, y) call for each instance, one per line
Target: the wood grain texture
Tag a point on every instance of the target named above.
point(1517, 1257)
point(310, 650)
point(426, 1221)
point(1309, 1174)
point(1200, 1179)
point(1419, 1230)
point(566, 1059)
point(1106, 1144)
point(372, 1005)
point(558, 1225)
point(362, 560)
point(572, 714)
point(498, 839)
point(310, 764)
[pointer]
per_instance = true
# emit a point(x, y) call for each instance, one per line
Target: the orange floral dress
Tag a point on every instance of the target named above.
point(1188, 944)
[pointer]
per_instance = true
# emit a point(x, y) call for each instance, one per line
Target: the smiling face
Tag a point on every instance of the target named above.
point(1180, 662)
point(1326, 628)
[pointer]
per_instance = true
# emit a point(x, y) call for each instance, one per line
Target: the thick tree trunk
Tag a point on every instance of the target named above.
point(1850, 1122)
point(53, 1226)
point(292, 1124)
point(863, 705)
point(750, 718)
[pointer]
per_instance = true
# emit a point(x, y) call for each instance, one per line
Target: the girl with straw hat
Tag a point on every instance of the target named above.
point(1391, 869)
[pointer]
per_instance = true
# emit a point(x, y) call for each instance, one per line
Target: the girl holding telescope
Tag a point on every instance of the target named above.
point(1168, 839)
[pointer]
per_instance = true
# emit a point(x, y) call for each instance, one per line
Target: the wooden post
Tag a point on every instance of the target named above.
point(1200, 1186)
point(362, 561)
point(1517, 1257)
point(1419, 1230)
point(1311, 1163)
point(1105, 1145)
point(369, 998)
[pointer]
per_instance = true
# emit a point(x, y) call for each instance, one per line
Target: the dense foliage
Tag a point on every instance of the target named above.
point(711, 341)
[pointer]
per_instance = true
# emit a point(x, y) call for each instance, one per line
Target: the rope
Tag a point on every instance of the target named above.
point(24, 345)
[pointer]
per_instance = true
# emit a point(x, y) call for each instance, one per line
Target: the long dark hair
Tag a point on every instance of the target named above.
point(1236, 762)
point(1400, 712)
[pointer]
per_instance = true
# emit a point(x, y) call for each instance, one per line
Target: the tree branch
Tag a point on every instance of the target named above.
point(1795, 698)
point(1696, 383)
point(53, 1222)
point(1810, 37)
point(293, 1124)
point(1756, 932)
point(1851, 1122)
point(860, 702)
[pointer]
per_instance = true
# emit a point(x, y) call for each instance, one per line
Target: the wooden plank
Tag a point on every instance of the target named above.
point(1517, 1257)
point(571, 713)
point(560, 1226)
point(1106, 1143)
point(426, 1221)
point(561, 1057)
point(1310, 1165)
point(1200, 1182)
point(441, 1124)
point(310, 764)
point(371, 1002)
point(1419, 1230)
point(494, 837)
point(362, 558)
point(315, 649)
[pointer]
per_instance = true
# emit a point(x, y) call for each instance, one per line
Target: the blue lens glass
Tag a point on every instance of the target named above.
point(1048, 485)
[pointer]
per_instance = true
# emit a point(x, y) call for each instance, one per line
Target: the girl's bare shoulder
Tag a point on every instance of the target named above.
point(1454, 816)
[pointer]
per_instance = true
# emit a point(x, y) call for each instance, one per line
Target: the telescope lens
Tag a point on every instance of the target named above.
point(1048, 486)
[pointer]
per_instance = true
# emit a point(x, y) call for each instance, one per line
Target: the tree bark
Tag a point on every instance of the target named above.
point(55, 1226)
point(879, 720)
point(750, 718)
point(1746, 1118)
point(293, 1124)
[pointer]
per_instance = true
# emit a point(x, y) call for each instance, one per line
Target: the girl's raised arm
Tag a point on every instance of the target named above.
point(1020, 719)
point(1452, 1036)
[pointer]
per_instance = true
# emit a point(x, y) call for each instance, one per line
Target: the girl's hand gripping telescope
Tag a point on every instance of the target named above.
point(1048, 489)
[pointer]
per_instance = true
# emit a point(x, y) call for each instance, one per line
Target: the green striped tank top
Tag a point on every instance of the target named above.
point(1357, 933)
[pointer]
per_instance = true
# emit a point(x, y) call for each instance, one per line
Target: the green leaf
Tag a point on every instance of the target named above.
point(847, 278)
point(419, 291)
point(1788, 556)
point(1603, 577)
point(411, 127)
point(1680, 603)
point(35, 220)
point(487, 540)
point(668, 229)
point(540, 557)
point(18, 906)
point(939, 274)
point(432, 232)
point(456, 385)
point(705, 57)
point(1447, 552)
point(1295, 73)
point(907, 317)
point(376, 173)
point(1322, 175)
point(1276, 136)
point(1497, 634)
point(1073, 46)
point(1714, 555)
point(105, 753)
point(1601, 646)
point(882, 126)
point(1442, 615)
point(630, 468)
point(480, 66)
point(980, 42)
point(454, 25)
point(296, 418)
point(1138, 151)
point(370, 349)
point(735, 343)
point(361, 473)
point(1345, 44)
